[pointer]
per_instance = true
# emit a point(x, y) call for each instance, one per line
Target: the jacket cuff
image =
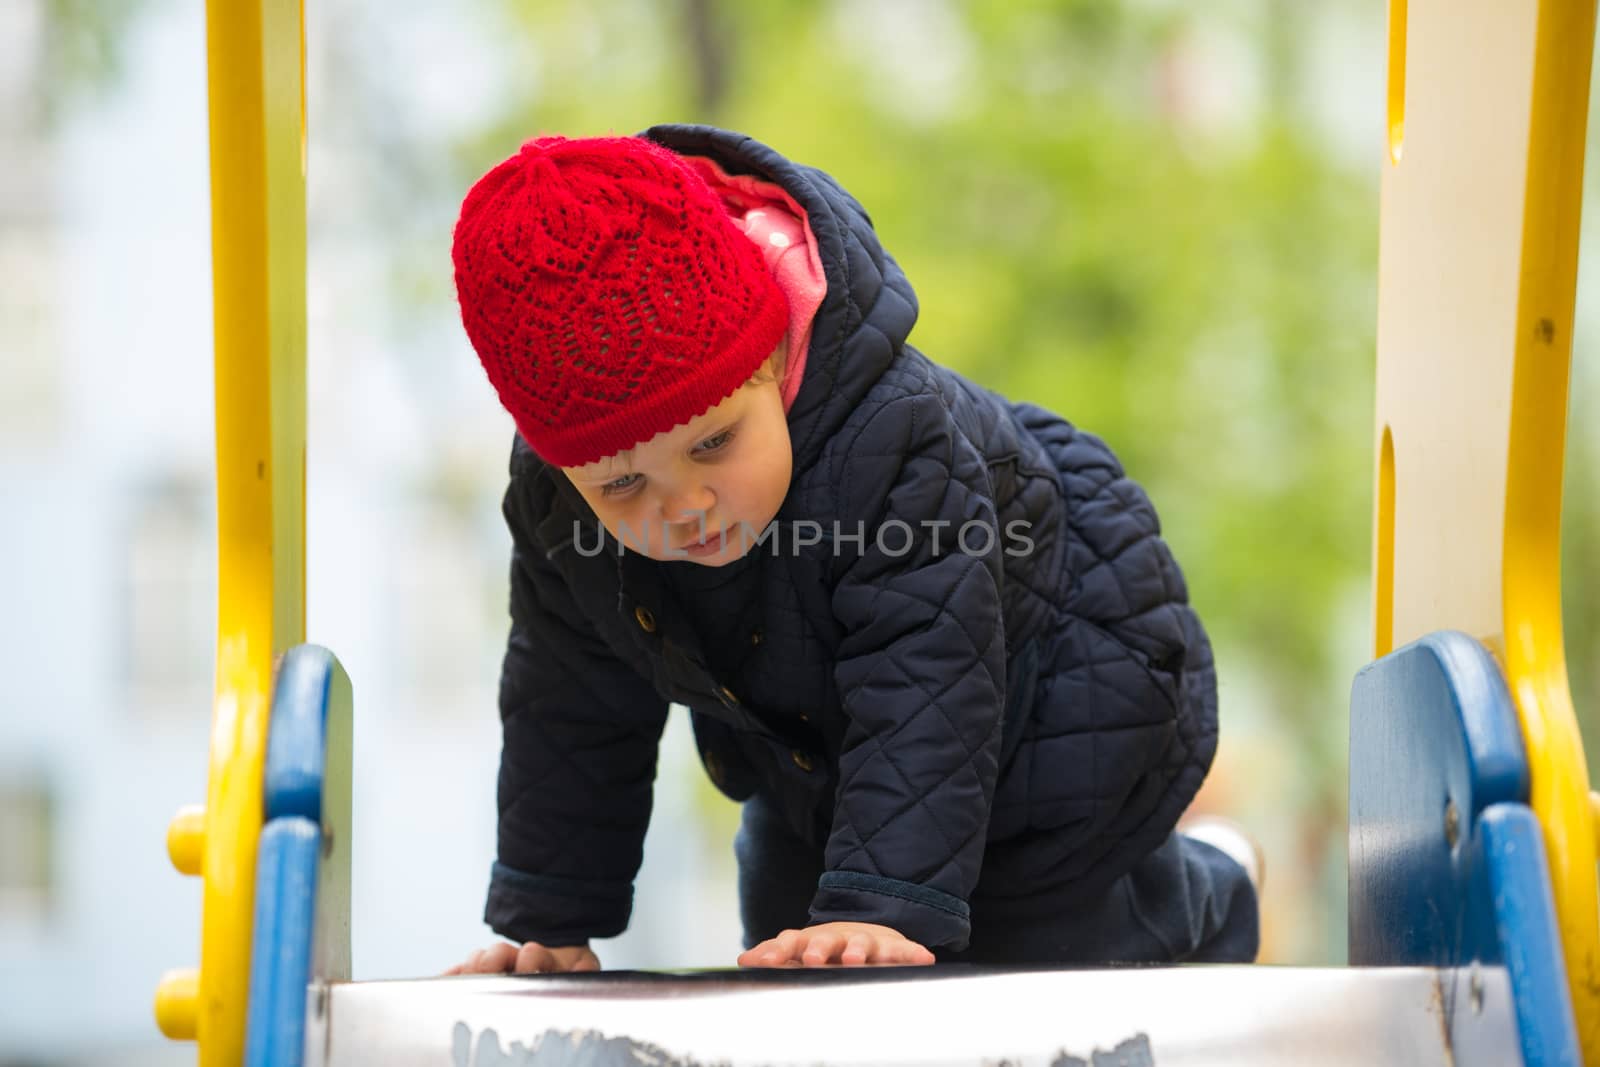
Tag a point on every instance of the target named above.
point(555, 911)
point(927, 916)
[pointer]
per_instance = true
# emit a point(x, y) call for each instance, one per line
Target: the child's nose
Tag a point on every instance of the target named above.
point(690, 504)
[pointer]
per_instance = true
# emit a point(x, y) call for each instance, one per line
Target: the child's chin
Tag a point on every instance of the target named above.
point(728, 554)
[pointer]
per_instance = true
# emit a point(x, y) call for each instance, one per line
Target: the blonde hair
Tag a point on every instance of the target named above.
point(772, 368)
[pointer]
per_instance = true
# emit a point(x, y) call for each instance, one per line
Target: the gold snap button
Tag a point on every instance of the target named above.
point(756, 637)
point(805, 717)
point(801, 760)
point(647, 621)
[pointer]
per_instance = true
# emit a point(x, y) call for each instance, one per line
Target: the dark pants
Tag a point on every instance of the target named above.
point(1186, 902)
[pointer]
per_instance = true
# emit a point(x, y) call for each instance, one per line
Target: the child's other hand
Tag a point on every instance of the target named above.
point(531, 958)
point(850, 944)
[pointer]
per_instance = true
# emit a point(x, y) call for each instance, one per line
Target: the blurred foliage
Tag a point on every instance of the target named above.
point(1204, 299)
point(84, 45)
point(1580, 574)
point(1580, 516)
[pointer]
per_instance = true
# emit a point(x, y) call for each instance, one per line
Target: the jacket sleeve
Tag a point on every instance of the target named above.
point(920, 674)
point(577, 764)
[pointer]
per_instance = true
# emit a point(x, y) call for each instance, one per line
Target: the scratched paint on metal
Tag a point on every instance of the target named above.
point(582, 1048)
point(1134, 1052)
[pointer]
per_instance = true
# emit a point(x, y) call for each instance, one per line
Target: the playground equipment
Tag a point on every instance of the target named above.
point(256, 80)
point(1473, 902)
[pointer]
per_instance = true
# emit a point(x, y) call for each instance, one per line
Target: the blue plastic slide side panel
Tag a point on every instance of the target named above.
point(1434, 740)
point(1446, 687)
point(287, 863)
point(1530, 942)
point(280, 960)
point(1447, 862)
point(297, 740)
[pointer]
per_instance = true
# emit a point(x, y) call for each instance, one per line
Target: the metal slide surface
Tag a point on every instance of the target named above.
point(1155, 1017)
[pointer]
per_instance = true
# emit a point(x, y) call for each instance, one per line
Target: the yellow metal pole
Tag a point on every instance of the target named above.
point(256, 80)
point(1535, 654)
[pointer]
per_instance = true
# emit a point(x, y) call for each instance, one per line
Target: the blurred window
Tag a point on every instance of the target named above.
point(30, 375)
point(170, 601)
point(27, 849)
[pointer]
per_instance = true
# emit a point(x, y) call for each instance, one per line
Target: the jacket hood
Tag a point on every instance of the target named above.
point(869, 307)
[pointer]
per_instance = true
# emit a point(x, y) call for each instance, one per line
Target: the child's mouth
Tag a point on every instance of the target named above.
point(709, 547)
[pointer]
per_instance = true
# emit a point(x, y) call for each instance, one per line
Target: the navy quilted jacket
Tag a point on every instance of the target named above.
point(1009, 718)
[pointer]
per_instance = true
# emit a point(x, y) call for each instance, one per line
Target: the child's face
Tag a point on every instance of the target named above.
point(683, 494)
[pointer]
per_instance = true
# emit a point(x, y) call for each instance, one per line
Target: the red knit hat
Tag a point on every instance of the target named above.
point(608, 294)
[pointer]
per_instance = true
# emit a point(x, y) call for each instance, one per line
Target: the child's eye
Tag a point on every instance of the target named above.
point(712, 444)
point(620, 485)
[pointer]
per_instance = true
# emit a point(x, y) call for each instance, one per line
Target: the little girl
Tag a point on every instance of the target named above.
point(931, 639)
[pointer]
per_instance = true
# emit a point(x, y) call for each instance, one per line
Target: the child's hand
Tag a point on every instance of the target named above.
point(852, 944)
point(531, 958)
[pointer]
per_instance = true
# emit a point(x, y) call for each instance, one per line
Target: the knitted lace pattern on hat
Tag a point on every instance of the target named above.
point(608, 295)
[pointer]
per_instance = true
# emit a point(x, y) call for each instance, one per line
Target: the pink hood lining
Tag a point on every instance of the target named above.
point(778, 226)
